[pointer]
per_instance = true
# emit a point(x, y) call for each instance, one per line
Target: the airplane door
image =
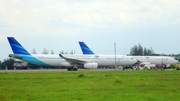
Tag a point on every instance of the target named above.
point(164, 60)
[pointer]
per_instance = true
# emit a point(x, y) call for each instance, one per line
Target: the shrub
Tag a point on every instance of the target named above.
point(81, 76)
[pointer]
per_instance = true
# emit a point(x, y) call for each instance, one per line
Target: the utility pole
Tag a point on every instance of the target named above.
point(115, 54)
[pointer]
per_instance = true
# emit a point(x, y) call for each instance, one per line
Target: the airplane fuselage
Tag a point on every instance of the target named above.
point(56, 60)
point(158, 60)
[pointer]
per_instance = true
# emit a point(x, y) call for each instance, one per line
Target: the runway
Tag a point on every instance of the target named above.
point(65, 70)
point(58, 70)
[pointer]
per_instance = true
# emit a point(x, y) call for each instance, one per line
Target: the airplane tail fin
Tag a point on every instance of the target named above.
point(17, 47)
point(85, 49)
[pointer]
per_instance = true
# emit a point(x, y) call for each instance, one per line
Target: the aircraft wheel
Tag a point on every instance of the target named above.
point(137, 68)
point(145, 68)
point(69, 69)
point(75, 69)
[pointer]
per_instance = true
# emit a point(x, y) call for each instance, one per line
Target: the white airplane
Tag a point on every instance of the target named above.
point(158, 60)
point(142, 60)
point(72, 61)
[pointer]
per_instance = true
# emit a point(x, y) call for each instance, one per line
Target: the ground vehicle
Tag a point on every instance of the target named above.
point(144, 66)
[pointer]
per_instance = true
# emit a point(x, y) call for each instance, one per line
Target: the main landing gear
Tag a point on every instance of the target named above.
point(72, 69)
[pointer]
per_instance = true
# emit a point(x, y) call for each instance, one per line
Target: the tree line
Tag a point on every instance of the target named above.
point(45, 51)
point(7, 64)
point(138, 50)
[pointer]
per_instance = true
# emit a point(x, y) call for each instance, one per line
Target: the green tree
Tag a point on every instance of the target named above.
point(7, 63)
point(134, 50)
point(45, 51)
point(10, 63)
point(34, 51)
point(139, 50)
point(62, 52)
point(145, 51)
point(152, 51)
point(52, 52)
point(173, 66)
point(0, 65)
point(72, 52)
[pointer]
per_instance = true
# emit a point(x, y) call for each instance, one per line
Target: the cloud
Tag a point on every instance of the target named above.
point(47, 17)
point(72, 20)
point(38, 14)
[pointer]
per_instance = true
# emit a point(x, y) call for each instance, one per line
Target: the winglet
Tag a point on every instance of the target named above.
point(61, 56)
point(85, 49)
point(16, 46)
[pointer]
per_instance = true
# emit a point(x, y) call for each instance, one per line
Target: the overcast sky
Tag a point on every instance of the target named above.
point(59, 24)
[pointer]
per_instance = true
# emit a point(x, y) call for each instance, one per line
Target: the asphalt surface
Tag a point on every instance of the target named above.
point(65, 70)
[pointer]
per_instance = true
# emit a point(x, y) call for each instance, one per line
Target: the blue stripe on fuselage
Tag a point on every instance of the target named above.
point(33, 60)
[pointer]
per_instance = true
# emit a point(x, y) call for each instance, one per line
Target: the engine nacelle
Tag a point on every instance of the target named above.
point(90, 65)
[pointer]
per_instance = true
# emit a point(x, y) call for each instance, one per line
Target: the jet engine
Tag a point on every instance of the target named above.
point(90, 65)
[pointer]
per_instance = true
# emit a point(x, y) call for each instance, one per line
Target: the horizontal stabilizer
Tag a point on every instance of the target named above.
point(61, 55)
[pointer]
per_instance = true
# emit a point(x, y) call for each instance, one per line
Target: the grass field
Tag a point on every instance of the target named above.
point(90, 86)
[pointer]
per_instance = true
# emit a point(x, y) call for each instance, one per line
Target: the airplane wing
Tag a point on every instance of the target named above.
point(72, 61)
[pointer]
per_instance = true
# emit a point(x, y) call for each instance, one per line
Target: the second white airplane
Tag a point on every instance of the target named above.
point(142, 60)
